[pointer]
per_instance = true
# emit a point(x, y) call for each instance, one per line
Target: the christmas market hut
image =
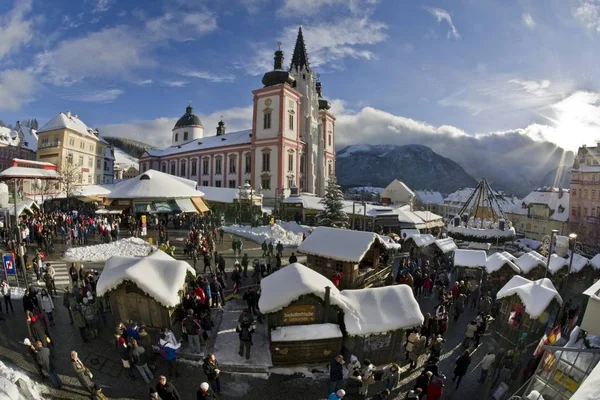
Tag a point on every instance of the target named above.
point(582, 273)
point(310, 320)
point(526, 307)
point(359, 257)
point(146, 290)
point(416, 243)
point(499, 269)
point(469, 265)
point(532, 265)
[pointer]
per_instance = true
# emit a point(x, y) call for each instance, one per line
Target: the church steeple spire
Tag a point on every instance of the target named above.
point(300, 57)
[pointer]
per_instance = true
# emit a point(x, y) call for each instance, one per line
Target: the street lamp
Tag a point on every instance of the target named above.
point(572, 243)
point(552, 239)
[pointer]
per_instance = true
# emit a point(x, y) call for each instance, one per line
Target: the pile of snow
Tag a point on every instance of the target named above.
point(305, 332)
point(271, 233)
point(470, 258)
point(528, 261)
point(535, 295)
point(583, 361)
point(294, 227)
point(366, 311)
point(159, 275)
point(130, 247)
point(339, 244)
point(497, 261)
point(10, 385)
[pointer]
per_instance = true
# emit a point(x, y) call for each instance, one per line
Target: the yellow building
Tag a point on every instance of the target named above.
point(130, 172)
point(66, 140)
point(540, 212)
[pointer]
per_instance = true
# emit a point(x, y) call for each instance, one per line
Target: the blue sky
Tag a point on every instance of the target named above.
point(437, 69)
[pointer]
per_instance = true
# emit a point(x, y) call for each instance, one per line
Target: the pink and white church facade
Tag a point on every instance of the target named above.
point(291, 142)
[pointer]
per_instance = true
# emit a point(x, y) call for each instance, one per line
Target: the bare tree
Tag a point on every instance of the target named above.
point(45, 188)
point(70, 180)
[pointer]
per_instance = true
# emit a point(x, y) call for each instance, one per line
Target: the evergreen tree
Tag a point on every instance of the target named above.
point(333, 215)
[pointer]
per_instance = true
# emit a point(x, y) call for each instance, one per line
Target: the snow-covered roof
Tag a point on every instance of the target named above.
point(579, 262)
point(398, 184)
point(367, 189)
point(159, 275)
point(535, 295)
point(30, 138)
point(479, 246)
point(219, 194)
point(469, 258)
point(429, 197)
point(528, 261)
point(595, 262)
point(593, 291)
point(422, 240)
point(556, 199)
point(92, 190)
point(497, 261)
point(389, 242)
point(68, 121)
point(108, 153)
point(312, 202)
point(154, 184)
point(305, 332)
point(446, 245)
point(557, 263)
point(25, 172)
point(229, 139)
point(509, 256)
point(366, 311)
point(428, 216)
point(339, 244)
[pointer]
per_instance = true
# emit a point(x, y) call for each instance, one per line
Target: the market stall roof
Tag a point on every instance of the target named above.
point(509, 256)
point(305, 332)
point(422, 240)
point(595, 262)
point(366, 311)
point(593, 291)
point(219, 194)
point(470, 258)
point(28, 173)
point(579, 263)
point(557, 263)
point(446, 245)
point(390, 244)
point(186, 206)
point(154, 184)
point(339, 244)
point(497, 261)
point(200, 204)
point(535, 295)
point(159, 275)
point(528, 261)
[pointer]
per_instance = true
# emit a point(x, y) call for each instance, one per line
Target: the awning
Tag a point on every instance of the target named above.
point(142, 208)
point(200, 204)
point(162, 207)
point(186, 206)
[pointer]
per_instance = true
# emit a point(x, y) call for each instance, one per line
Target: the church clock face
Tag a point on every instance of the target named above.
point(268, 102)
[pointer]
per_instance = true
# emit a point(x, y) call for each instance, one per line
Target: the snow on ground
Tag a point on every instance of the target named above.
point(130, 247)
point(289, 233)
point(125, 159)
point(8, 385)
point(317, 371)
point(17, 293)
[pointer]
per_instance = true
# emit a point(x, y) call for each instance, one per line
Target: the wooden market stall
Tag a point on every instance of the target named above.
point(499, 269)
point(526, 307)
point(532, 265)
point(310, 320)
point(469, 266)
point(583, 273)
point(357, 256)
point(146, 290)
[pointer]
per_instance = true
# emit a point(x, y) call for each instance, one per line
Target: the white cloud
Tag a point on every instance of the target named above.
point(528, 20)
point(253, 6)
point(16, 29)
point(96, 96)
point(181, 26)
point(16, 88)
point(442, 15)
point(588, 12)
point(297, 8)
point(326, 43)
point(209, 76)
point(175, 83)
point(533, 87)
point(101, 6)
point(143, 82)
point(111, 52)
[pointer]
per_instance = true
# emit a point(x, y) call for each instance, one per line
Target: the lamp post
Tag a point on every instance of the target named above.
point(552, 239)
point(572, 243)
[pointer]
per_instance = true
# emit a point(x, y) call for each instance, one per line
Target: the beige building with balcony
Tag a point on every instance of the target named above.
point(540, 212)
point(67, 140)
point(585, 195)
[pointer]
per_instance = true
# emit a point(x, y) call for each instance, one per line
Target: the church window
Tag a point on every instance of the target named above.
point(266, 161)
point(330, 171)
point(218, 166)
point(290, 183)
point(266, 183)
point(329, 139)
point(182, 169)
point(302, 164)
point(290, 162)
point(185, 136)
point(232, 164)
point(205, 167)
point(267, 121)
point(194, 168)
point(291, 121)
point(164, 168)
point(248, 164)
point(232, 184)
point(217, 183)
point(173, 169)
point(176, 137)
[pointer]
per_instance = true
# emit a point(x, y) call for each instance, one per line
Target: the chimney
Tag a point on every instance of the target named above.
point(68, 114)
point(327, 301)
point(75, 116)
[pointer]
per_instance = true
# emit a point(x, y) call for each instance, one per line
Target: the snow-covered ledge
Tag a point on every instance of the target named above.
point(477, 234)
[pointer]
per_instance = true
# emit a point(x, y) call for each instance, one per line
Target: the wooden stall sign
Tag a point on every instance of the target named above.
point(377, 342)
point(299, 314)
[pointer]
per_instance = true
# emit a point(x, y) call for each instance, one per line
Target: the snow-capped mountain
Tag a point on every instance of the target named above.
point(417, 166)
point(124, 159)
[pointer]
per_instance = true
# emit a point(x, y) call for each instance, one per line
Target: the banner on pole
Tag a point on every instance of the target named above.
point(9, 264)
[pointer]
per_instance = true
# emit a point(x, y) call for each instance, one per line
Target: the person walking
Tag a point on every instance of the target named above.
point(470, 333)
point(293, 259)
point(279, 249)
point(6, 293)
point(83, 373)
point(146, 342)
point(191, 324)
point(486, 364)
point(168, 352)
point(413, 337)
point(138, 355)
point(245, 263)
point(33, 353)
point(49, 279)
point(368, 378)
point(245, 331)
point(392, 377)
point(45, 360)
point(264, 248)
point(419, 349)
point(205, 393)
point(336, 373)
point(166, 390)
point(74, 274)
point(462, 365)
point(250, 297)
point(47, 306)
point(125, 354)
point(212, 372)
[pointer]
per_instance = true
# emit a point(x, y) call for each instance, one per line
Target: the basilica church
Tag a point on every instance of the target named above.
point(291, 143)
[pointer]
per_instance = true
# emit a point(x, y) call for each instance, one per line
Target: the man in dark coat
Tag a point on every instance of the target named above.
point(336, 373)
point(212, 372)
point(462, 364)
point(44, 358)
point(423, 381)
point(293, 259)
point(166, 390)
point(33, 353)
